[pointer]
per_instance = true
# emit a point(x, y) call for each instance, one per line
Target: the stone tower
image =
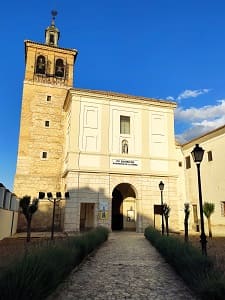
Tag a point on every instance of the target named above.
point(48, 77)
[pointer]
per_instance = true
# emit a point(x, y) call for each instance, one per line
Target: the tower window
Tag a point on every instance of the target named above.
point(59, 68)
point(124, 125)
point(47, 123)
point(44, 155)
point(52, 40)
point(188, 162)
point(40, 65)
point(49, 98)
point(210, 158)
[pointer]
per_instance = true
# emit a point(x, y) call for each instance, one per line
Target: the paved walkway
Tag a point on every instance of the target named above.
point(125, 267)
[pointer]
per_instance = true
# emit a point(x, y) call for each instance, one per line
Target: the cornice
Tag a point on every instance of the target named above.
point(122, 97)
point(47, 47)
point(120, 173)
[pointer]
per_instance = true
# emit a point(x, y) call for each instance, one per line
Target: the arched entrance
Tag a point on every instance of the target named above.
point(123, 207)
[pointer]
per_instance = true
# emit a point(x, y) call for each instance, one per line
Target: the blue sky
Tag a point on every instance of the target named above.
point(162, 49)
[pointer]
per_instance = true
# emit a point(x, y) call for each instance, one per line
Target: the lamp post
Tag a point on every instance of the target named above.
point(161, 187)
point(197, 154)
point(54, 201)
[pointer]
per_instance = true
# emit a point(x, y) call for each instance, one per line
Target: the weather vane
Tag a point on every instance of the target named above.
point(54, 14)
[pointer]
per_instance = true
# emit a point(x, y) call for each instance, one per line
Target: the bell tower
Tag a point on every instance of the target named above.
point(48, 77)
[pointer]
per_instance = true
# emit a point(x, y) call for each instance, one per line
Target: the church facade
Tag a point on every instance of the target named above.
point(117, 150)
point(110, 151)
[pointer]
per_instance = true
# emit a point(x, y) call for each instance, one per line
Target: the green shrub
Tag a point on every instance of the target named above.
point(197, 270)
point(43, 267)
point(212, 288)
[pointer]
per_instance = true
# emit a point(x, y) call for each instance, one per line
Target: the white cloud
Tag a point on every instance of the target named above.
point(171, 98)
point(194, 114)
point(198, 130)
point(192, 93)
point(192, 133)
point(189, 94)
point(211, 123)
point(201, 120)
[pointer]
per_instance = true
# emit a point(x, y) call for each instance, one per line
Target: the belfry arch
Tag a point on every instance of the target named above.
point(124, 209)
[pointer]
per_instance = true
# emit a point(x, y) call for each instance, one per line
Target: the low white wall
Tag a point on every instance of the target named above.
point(8, 223)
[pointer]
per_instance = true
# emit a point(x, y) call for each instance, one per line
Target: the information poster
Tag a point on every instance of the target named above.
point(103, 212)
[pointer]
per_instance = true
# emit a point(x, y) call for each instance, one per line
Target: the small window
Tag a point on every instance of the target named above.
point(44, 155)
point(210, 158)
point(223, 208)
point(124, 125)
point(40, 65)
point(188, 162)
point(49, 98)
point(47, 123)
point(180, 164)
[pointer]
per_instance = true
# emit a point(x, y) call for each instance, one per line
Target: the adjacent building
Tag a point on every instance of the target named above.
point(9, 206)
point(212, 178)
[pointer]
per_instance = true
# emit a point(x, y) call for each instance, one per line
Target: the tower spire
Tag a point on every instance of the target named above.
point(52, 33)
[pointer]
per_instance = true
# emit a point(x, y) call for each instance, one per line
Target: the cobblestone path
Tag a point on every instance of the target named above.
point(125, 267)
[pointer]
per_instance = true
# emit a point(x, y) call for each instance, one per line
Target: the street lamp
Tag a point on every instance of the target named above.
point(197, 154)
point(54, 201)
point(161, 187)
